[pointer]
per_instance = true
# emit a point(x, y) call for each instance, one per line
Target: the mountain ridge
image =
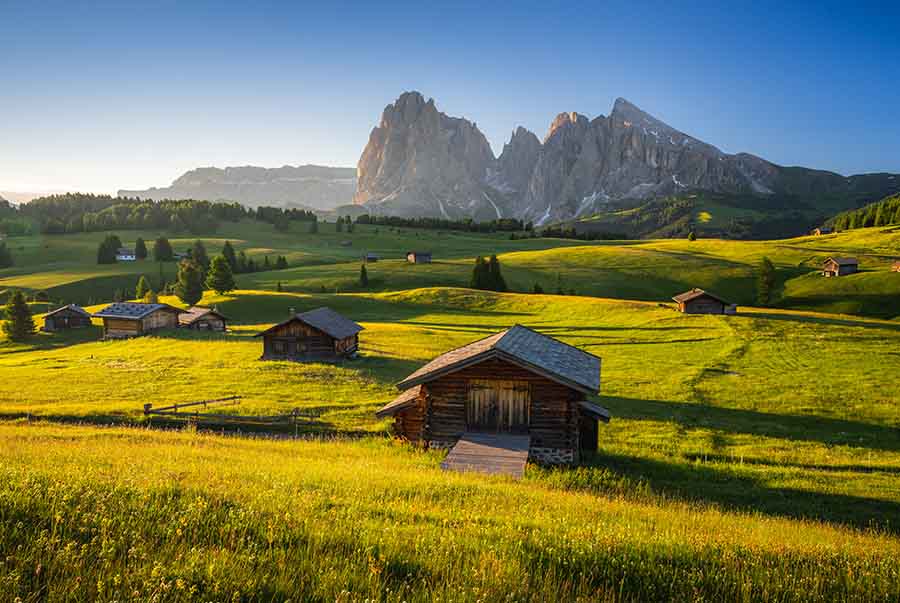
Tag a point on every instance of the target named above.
point(421, 162)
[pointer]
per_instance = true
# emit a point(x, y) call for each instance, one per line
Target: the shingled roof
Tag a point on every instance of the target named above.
point(196, 312)
point(132, 310)
point(520, 345)
point(324, 319)
point(694, 294)
point(73, 307)
point(406, 399)
point(843, 261)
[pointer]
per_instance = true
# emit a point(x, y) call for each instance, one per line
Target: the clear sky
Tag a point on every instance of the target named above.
point(131, 94)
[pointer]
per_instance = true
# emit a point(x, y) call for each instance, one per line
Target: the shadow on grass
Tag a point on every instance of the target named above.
point(694, 482)
point(807, 428)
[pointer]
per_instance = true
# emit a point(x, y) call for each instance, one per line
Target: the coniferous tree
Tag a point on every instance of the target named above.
point(162, 250)
point(281, 264)
point(266, 264)
point(228, 253)
point(692, 236)
point(199, 255)
point(496, 281)
point(537, 288)
point(6, 259)
point(106, 252)
point(242, 263)
point(363, 277)
point(765, 282)
point(142, 288)
point(479, 274)
point(339, 225)
point(19, 324)
point(151, 297)
point(140, 249)
point(220, 278)
point(189, 284)
point(314, 227)
point(278, 287)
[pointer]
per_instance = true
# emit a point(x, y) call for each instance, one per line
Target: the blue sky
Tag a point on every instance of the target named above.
point(128, 95)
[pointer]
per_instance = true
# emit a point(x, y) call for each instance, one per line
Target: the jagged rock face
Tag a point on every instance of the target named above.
point(419, 161)
point(311, 186)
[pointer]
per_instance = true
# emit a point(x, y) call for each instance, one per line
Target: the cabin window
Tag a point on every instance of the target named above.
point(279, 347)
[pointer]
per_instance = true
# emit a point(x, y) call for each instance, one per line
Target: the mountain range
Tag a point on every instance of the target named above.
point(421, 162)
point(305, 186)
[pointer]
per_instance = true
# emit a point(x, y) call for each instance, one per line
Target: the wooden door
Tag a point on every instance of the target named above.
point(495, 405)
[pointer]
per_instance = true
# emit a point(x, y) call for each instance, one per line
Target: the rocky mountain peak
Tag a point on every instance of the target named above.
point(565, 120)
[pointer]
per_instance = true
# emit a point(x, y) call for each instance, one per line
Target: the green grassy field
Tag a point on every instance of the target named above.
point(750, 458)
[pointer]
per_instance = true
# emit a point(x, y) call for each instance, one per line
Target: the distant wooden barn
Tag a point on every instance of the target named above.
point(124, 254)
point(840, 266)
point(370, 258)
point(895, 267)
point(125, 319)
point(698, 301)
point(418, 257)
point(823, 230)
point(202, 319)
point(516, 381)
point(320, 334)
point(67, 317)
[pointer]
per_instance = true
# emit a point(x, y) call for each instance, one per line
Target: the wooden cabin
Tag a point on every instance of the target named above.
point(370, 258)
point(202, 319)
point(895, 267)
point(418, 257)
point(698, 301)
point(840, 266)
point(123, 254)
point(67, 317)
point(515, 381)
point(822, 230)
point(320, 334)
point(126, 319)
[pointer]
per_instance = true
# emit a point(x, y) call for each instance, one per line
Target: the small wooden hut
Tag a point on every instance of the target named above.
point(202, 319)
point(895, 267)
point(67, 317)
point(823, 230)
point(370, 258)
point(515, 381)
point(124, 254)
point(126, 319)
point(840, 266)
point(320, 334)
point(418, 257)
point(698, 301)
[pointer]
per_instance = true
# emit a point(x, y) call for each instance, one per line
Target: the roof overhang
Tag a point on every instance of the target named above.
point(489, 355)
point(594, 410)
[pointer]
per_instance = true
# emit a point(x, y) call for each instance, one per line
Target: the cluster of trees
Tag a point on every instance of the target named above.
point(466, 224)
point(81, 212)
point(240, 263)
point(19, 324)
point(106, 251)
point(486, 275)
point(339, 224)
point(281, 218)
point(569, 232)
point(880, 213)
point(6, 259)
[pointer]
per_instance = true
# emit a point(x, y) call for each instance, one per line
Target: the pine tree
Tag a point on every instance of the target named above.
point(189, 285)
point(6, 259)
point(220, 278)
point(495, 278)
point(142, 288)
point(314, 227)
point(242, 263)
point(140, 249)
point(537, 288)
point(266, 264)
point(692, 236)
point(106, 252)
point(151, 297)
point(765, 282)
point(278, 287)
point(363, 277)
point(19, 324)
point(199, 255)
point(228, 253)
point(339, 225)
point(480, 274)
point(162, 250)
point(281, 264)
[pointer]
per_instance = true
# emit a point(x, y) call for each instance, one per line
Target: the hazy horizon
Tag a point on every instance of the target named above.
point(111, 97)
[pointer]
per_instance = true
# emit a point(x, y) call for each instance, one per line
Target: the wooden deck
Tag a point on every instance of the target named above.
point(493, 453)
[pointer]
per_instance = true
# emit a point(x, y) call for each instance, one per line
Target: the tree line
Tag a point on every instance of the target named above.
point(465, 224)
point(881, 213)
point(84, 212)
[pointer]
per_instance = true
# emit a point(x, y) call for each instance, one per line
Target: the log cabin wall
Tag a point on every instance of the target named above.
point(297, 340)
point(410, 423)
point(121, 327)
point(553, 420)
point(160, 319)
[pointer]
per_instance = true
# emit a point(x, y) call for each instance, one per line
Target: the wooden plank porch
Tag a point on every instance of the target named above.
point(492, 453)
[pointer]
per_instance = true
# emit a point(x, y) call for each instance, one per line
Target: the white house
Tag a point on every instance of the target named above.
point(125, 255)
